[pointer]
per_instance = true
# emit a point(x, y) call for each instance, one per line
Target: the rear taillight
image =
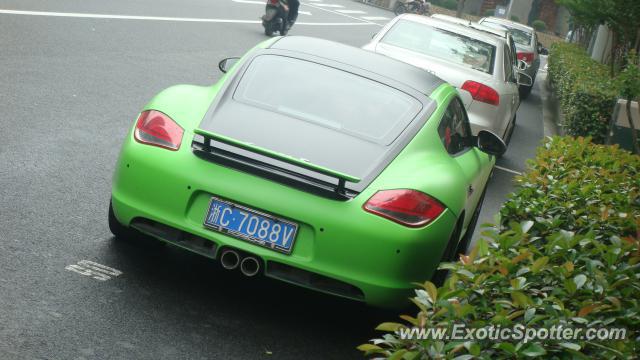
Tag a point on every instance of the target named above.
point(407, 207)
point(481, 92)
point(525, 56)
point(158, 129)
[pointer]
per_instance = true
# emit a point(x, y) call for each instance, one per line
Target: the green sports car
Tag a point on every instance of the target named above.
point(316, 163)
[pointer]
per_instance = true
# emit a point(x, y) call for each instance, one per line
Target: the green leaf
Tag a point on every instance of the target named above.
point(389, 326)
point(466, 273)
point(579, 280)
point(506, 347)
point(571, 346)
point(520, 299)
point(369, 348)
point(432, 290)
point(534, 350)
point(539, 264)
point(397, 355)
point(463, 357)
point(528, 315)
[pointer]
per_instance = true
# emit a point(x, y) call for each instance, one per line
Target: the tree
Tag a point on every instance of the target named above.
point(621, 16)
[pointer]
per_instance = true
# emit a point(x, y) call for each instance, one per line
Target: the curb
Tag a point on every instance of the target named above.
point(550, 107)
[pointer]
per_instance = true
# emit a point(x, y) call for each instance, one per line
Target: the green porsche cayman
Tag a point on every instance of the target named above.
point(316, 163)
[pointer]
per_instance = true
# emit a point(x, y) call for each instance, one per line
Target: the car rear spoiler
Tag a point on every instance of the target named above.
point(342, 177)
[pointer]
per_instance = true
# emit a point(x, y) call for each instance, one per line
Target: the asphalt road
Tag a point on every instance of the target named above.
point(73, 75)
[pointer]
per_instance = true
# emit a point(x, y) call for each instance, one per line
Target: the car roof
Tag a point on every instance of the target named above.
point(514, 24)
point(415, 77)
point(472, 24)
point(453, 27)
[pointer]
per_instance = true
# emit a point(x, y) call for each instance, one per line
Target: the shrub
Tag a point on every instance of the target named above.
point(587, 94)
point(515, 18)
point(539, 25)
point(568, 254)
point(489, 12)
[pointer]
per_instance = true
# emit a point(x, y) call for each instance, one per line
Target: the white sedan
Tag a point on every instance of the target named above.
point(479, 64)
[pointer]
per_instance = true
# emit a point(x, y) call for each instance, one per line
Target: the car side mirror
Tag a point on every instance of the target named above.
point(524, 79)
point(522, 65)
point(490, 143)
point(226, 64)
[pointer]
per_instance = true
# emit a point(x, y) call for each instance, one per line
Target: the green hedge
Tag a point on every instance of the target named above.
point(587, 93)
point(567, 253)
point(539, 25)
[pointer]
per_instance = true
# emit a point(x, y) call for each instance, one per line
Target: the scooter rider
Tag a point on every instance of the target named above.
point(293, 11)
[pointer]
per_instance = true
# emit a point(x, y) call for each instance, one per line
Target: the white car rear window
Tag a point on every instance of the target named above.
point(442, 44)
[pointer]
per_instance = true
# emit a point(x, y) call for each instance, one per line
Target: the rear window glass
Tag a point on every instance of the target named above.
point(521, 37)
point(327, 97)
point(442, 44)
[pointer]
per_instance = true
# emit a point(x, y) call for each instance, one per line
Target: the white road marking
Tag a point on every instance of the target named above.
point(330, 5)
point(93, 269)
point(163, 18)
point(249, 2)
point(375, 18)
point(508, 170)
point(351, 11)
point(335, 12)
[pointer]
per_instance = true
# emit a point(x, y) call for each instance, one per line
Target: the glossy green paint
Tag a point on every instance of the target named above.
point(336, 238)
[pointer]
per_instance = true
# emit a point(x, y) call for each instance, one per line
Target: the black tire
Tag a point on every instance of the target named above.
point(449, 254)
point(399, 9)
point(117, 229)
point(463, 245)
point(285, 28)
point(267, 30)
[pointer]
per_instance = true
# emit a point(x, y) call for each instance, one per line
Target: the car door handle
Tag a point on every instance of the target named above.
point(470, 190)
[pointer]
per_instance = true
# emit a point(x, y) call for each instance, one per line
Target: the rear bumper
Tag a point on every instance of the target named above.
point(338, 246)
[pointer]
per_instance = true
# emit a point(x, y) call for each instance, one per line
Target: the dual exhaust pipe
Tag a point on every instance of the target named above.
point(231, 259)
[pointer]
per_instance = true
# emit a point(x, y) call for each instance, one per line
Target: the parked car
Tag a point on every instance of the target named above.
point(527, 43)
point(313, 162)
point(477, 63)
point(502, 33)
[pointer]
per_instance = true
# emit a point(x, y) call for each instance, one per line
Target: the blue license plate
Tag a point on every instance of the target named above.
point(251, 225)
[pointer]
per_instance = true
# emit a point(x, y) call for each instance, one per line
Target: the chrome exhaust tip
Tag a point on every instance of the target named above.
point(230, 259)
point(250, 266)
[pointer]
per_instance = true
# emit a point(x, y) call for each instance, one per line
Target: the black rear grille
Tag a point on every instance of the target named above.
point(313, 280)
point(176, 237)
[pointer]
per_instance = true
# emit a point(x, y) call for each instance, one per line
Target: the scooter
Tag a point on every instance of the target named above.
point(420, 7)
point(276, 17)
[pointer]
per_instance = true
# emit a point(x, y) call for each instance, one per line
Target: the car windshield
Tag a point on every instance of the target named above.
point(327, 97)
point(442, 44)
point(521, 37)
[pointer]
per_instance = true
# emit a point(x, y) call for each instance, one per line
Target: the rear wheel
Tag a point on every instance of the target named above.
point(449, 254)
point(117, 229)
point(463, 245)
point(267, 29)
